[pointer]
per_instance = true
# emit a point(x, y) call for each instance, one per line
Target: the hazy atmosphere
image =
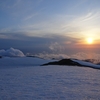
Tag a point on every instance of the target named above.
point(51, 26)
point(49, 49)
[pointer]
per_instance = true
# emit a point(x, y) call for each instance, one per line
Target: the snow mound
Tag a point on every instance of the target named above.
point(11, 53)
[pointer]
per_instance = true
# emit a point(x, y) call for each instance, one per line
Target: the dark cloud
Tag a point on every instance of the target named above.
point(32, 44)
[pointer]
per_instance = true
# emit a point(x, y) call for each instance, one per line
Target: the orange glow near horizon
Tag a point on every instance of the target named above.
point(90, 40)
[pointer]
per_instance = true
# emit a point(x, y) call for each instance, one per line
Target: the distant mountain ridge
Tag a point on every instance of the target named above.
point(63, 62)
point(73, 62)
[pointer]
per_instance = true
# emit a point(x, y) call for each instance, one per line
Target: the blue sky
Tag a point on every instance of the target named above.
point(38, 24)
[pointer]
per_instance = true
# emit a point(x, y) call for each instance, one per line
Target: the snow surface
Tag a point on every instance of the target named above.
point(88, 64)
point(21, 61)
point(12, 53)
point(30, 81)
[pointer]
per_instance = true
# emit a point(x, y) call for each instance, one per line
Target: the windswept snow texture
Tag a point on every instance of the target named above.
point(47, 82)
point(11, 53)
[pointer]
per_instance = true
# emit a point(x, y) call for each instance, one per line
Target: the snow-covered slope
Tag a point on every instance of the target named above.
point(21, 61)
point(88, 64)
point(19, 80)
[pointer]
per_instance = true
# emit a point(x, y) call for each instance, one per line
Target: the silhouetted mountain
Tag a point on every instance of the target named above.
point(63, 62)
point(73, 62)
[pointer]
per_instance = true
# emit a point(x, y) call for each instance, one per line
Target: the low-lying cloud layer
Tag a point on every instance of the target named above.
point(12, 53)
point(80, 55)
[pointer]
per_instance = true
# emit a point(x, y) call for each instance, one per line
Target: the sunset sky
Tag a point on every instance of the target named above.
point(64, 26)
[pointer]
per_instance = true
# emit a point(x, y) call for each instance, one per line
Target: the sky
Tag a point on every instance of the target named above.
point(54, 26)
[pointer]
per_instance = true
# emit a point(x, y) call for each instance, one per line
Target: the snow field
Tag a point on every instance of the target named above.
point(8, 62)
point(49, 83)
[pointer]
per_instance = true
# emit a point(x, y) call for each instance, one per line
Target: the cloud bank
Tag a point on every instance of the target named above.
point(80, 55)
point(11, 53)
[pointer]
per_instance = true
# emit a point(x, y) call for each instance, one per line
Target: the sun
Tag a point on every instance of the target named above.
point(90, 40)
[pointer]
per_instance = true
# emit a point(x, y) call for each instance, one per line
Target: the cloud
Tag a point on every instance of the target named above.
point(83, 24)
point(84, 55)
point(57, 47)
point(79, 55)
point(12, 53)
point(30, 16)
point(66, 25)
point(51, 56)
point(55, 44)
point(45, 23)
